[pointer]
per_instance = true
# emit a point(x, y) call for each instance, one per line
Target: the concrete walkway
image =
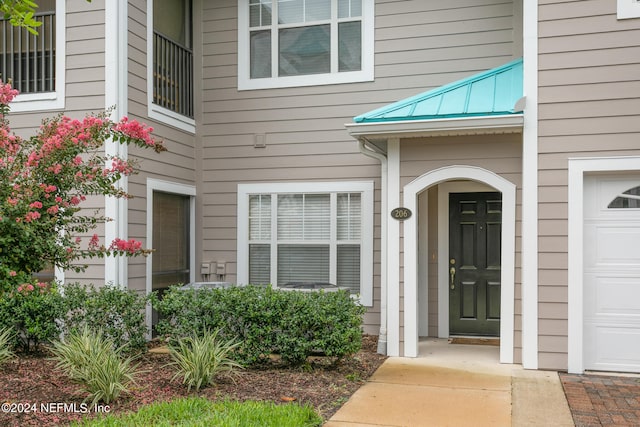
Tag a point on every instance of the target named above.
point(455, 385)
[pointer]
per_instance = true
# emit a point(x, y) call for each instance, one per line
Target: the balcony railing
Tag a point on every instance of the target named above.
point(28, 61)
point(172, 76)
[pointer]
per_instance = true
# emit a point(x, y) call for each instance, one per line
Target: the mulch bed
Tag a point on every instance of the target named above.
point(33, 380)
point(599, 400)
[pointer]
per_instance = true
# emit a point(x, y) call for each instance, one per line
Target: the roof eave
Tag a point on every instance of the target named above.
point(477, 125)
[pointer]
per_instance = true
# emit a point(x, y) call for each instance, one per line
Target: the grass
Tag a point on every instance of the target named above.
point(198, 411)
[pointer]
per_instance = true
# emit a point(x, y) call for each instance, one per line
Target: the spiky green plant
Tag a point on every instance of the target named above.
point(198, 359)
point(6, 337)
point(90, 359)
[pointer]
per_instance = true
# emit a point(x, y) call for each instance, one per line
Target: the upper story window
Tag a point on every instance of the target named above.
point(170, 53)
point(34, 64)
point(285, 43)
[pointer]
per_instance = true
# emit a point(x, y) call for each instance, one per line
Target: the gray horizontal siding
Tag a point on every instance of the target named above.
point(588, 106)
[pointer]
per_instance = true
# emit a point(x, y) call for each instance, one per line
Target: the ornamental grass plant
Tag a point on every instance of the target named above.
point(199, 358)
point(91, 360)
point(6, 338)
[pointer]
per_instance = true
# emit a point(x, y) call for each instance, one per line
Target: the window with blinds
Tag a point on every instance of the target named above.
point(312, 237)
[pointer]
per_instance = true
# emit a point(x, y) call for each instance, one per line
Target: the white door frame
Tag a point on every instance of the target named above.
point(577, 169)
point(411, 192)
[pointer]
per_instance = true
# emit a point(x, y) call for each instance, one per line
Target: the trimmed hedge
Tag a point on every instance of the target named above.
point(41, 315)
point(293, 324)
point(118, 313)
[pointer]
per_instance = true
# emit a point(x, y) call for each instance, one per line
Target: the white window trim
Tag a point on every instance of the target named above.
point(366, 250)
point(244, 57)
point(578, 168)
point(49, 100)
point(174, 188)
point(628, 9)
point(154, 111)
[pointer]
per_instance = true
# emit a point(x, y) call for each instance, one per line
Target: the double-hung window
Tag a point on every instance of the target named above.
point(34, 63)
point(170, 62)
point(307, 232)
point(304, 42)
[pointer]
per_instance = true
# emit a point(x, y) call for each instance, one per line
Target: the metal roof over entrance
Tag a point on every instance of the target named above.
point(491, 93)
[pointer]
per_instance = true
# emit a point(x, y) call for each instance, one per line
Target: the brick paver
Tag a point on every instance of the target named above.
point(598, 400)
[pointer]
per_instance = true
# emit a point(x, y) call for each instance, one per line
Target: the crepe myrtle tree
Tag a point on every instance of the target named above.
point(44, 180)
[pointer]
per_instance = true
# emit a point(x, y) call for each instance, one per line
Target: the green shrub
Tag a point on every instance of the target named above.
point(117, 312)
point(199, 359)
point(265, 320)
point(89, 358)
point(32, 312)
point(6, 338)
point(198, 411)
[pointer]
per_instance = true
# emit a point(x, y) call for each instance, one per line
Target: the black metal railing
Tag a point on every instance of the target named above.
point(172, 75)
point(28, 60)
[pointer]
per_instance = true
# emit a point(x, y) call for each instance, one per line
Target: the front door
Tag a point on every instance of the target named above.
point(474, 263)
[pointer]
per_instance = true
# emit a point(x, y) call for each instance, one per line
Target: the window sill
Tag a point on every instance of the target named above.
point(171, 118)
point(245, 83)
point(37, 102)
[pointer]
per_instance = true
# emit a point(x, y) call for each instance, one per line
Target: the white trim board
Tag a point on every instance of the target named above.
point(411, 191)
point(578, 167)
point(529, 258)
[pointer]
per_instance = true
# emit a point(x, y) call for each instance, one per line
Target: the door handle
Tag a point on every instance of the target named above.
point(452, 275)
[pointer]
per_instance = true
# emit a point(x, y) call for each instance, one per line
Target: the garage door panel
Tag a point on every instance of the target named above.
point(614, 296)
point(615, 245)
point(612, 347)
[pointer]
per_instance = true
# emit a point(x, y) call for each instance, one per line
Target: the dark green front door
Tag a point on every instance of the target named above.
point(474, 263)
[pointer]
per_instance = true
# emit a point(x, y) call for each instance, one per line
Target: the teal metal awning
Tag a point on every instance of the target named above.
point(491, 93)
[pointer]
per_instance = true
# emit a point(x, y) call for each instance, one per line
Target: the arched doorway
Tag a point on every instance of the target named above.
point(507, 276)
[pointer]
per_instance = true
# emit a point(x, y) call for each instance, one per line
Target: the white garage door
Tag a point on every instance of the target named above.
point(612, 273)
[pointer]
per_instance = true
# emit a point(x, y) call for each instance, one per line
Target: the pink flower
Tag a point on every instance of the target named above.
point(31, 216)
point(53, 210)
point(36, 205)
point(12, 273)
point(7, 93)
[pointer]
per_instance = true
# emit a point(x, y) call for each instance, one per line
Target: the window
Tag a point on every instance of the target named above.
point(630, 199)
point(34, 64)
point(628, 9)
point(170, 67)
point(304, 42)
point(308, 232)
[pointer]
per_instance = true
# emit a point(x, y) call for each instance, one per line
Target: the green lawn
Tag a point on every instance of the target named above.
point(196, 411)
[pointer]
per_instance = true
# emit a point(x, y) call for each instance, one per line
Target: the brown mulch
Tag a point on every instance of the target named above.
point(599, 400)
point(42, 396)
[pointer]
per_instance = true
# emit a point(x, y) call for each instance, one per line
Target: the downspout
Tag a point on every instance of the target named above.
point(373, 152)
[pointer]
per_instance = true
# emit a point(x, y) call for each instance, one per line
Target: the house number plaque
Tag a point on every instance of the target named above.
point(401, 214)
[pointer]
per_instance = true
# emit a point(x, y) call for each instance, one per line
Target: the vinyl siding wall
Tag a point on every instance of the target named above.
point(420, 44)
point(177, 164)
point(589, 78)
